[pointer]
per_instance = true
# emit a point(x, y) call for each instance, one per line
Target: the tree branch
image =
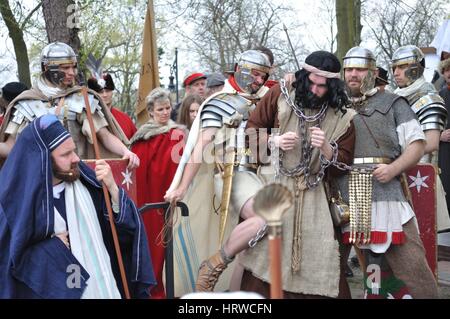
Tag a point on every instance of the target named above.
point(28, 17)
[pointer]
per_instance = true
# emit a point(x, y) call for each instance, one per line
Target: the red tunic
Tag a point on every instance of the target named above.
point(1, 119)
point(124, 121)
point(153, 177)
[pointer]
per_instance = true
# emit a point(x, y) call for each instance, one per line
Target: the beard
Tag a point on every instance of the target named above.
point(354, 92)
point(255, 87)
point(68, 176)
point(312, 101)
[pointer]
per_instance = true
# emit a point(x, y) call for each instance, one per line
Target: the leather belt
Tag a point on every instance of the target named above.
point(372, 160)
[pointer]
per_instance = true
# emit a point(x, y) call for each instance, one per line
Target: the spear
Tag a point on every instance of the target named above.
point(270, 203)
point(106, 194)
point(292, 48)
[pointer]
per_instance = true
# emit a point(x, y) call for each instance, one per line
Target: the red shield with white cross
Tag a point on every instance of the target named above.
point(422, 185)
point(124, 177)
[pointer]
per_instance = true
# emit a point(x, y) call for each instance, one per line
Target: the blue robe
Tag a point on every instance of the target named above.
point(33, 264)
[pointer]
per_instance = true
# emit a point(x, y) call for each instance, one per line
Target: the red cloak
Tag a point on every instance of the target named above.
point(124, 121)
point(153, 178)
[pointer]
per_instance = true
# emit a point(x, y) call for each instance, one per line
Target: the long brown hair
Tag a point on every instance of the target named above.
point(183, 115)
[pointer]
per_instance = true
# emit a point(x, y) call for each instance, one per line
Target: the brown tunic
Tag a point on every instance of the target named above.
point(265, 115)
point(307, 226)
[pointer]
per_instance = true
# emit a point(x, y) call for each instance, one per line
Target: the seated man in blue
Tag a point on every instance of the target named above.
point(55, 237)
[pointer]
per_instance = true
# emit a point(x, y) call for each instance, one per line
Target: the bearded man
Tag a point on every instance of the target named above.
point(310, 125)
point(55, 236)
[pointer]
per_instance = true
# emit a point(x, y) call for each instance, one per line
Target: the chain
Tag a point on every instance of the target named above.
point(311, 180)
point(306, 147)
point(259, 235)
point(298, 109)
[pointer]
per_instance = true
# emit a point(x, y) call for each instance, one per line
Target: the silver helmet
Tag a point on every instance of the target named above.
point(362, 58)
point(358, 57)
point(413, 57)
point(52, 56)
point(248, 61)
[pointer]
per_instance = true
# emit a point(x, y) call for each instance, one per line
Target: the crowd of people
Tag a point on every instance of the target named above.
point(328, 125)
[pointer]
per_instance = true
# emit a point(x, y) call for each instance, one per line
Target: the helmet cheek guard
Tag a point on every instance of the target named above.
point(358, 57)
point(411, 56)
point(54, 75)
point(248, 61)
point(54, 55)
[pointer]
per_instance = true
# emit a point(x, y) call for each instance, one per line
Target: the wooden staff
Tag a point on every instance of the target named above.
point(270, 203)
point(276, 282)
point(106, 194)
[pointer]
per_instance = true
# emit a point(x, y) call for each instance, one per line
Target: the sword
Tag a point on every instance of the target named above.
point(227, 178)
point(290, 44)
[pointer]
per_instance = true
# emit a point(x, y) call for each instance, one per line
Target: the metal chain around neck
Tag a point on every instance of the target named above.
point(298, 109)
point(311, 180)
point(304, 166)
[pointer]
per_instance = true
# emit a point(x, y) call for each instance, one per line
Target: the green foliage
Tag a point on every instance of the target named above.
point(113, 31)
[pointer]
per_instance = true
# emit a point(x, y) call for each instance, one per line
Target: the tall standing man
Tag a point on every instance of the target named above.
point(193, 83)
point(314, 131)
point(408, 65)
point(389, 140)
point(216, 133)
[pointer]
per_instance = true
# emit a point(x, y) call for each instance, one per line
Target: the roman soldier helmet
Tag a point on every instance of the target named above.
point(362, 58)
point(413, 57)
point(248, 61)
point(52, 56)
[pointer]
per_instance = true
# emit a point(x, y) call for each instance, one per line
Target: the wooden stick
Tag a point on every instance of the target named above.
point(276, 284)
point(106, 194)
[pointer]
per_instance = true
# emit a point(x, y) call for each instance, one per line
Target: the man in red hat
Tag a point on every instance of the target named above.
point(193, 83)
point(105, 88)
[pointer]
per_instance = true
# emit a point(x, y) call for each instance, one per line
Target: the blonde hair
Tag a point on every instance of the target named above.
point(156, 95)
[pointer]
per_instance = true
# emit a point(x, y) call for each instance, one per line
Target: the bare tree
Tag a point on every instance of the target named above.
point(16, 33)
point(330, 14)
point(113, 31)
point(394, 23)
point(325, 25)
point(348, 18)
point(215, 32)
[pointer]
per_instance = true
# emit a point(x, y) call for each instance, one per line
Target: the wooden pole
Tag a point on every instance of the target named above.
point(276, 283)
point(271, 202)
point(106, 194)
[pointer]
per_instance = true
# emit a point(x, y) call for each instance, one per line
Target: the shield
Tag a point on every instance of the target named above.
point(422, 187)
point(124, 177)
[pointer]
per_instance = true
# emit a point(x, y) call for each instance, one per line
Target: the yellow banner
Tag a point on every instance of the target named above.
point(149, 75)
